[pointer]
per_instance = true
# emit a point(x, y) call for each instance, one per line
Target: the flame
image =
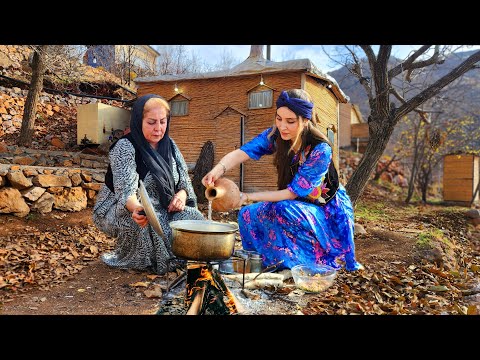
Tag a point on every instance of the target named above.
point(207, 277)
point(230, 302)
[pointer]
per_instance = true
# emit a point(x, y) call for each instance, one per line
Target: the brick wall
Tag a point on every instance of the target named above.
point(205, 121)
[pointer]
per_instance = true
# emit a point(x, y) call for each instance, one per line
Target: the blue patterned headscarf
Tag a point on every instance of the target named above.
point(298, 106)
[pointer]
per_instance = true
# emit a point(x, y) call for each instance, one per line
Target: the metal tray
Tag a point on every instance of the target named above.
point(149, 210)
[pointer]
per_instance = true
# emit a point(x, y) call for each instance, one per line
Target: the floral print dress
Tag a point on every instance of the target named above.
point(303, 230)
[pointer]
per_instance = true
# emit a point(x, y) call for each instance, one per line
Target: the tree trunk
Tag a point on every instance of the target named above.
point(424, 178)
point(418, 160)
point(376, 145)
point(424, 188)
point(413, 175)
point(36, 86)
point(384, 117)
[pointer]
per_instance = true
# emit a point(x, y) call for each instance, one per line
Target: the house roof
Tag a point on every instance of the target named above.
point(255, 65)
point(151, 49)
point(233, 108)
point(356, 108)
point(180, 95)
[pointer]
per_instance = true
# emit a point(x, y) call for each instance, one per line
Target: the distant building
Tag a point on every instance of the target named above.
point(232, 106)
point(461, 178)
point(353, 128)
point(126, 60)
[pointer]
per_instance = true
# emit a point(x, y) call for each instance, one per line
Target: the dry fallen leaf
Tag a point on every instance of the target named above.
point(152, 276)
point(472, 310)
point(156, 292)
point(438, 288)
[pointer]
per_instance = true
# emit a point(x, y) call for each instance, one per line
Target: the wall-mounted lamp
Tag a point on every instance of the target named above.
point(175, 88)
point(261, 80)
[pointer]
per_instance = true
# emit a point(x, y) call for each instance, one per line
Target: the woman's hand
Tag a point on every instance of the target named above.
point(138, 215)
point(178, 201)
point(244, 199)
point(213, 175)
point(228, 162)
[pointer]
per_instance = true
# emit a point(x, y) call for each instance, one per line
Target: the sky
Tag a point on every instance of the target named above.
point(211, 53)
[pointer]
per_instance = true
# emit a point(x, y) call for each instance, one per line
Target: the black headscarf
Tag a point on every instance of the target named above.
point(159, 162)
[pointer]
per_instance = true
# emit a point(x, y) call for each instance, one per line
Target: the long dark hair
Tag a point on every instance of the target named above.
point(311, 135)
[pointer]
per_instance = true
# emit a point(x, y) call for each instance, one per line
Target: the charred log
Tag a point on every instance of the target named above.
point(202, 167)
point(206, 292)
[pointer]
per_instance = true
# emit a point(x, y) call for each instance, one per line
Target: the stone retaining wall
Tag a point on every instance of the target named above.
point(24, 156)
point(25, 188)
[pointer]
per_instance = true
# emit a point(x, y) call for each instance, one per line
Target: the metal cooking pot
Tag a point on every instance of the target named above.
point(203, 240)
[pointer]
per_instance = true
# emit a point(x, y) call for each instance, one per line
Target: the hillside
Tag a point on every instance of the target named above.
point(461, 98)
point(67, 84)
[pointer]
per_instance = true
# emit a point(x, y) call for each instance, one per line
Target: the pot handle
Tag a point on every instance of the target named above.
point(268, 268)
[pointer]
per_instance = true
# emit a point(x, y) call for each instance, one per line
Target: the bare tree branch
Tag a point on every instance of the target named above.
point(381, 79)
point(367, 49)
point(356, 69)
point(385, 167)
point(330, 57)
point(397, 95)
point(435, 88)
point(422, 113)
point(383, 114)
point(404, 65)
point(435, 59)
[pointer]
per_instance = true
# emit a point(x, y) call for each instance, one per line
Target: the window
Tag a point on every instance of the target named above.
point(179, 107)
point(331, 136)
point(260, 99)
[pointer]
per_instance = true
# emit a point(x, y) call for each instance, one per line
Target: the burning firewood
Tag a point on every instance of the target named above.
point(259, 280)
point(257, 276)
point(206, 293)
point(263, 283)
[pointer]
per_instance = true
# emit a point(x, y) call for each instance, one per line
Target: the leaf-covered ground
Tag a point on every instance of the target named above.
point(418, 260)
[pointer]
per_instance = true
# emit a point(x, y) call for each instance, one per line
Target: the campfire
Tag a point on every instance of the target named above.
point(206, 292)
point(209, 263)
point(226, 288)
point(204, 244)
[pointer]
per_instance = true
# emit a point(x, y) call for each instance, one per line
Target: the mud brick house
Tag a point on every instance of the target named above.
point(230, 107)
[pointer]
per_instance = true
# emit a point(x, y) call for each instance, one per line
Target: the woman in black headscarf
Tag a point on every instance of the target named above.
point(147, 153)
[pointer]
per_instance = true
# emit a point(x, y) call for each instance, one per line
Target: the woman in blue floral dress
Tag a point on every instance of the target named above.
point(309, 219)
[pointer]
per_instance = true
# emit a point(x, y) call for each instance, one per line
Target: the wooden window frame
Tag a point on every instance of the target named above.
point(331, 135)
point(250, 107)
point(187, 107)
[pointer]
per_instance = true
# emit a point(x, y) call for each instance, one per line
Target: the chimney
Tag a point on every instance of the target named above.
point(256, 51)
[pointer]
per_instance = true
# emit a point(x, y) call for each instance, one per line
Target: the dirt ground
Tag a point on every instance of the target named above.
point(394, 269)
